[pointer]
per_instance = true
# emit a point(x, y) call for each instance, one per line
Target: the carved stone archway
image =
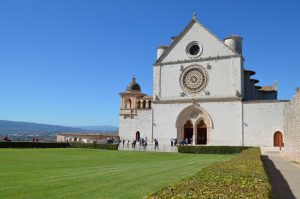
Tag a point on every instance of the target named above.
point(195, 114)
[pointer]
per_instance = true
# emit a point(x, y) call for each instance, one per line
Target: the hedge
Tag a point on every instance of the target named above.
point(94, 146)
point(242, 177)
point(211, 149)
point(57, 145)
point(34, 145)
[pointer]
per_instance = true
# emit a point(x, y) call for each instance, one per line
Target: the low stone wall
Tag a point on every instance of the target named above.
point(292, 127)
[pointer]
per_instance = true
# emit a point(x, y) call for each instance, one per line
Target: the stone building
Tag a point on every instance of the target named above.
point(203, 92)
point(292, 127)
point(84, 137)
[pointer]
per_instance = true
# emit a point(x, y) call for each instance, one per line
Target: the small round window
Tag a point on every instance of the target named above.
point(194, 49)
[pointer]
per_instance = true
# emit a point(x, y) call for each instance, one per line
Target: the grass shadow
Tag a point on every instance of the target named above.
point(280, 187)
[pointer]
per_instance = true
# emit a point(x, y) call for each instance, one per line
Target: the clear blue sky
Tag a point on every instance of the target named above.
point(64, 62)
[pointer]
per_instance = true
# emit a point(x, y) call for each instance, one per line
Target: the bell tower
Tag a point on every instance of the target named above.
point(129, 99)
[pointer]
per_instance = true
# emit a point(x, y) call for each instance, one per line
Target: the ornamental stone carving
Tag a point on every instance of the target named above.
point(193, 79)
point(194, 114)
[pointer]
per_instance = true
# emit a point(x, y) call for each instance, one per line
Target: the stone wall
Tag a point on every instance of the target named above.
point(262, 119)
point(292, 127)
point(141, 122)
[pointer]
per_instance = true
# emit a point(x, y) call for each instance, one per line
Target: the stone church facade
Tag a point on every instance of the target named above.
point(202, 91)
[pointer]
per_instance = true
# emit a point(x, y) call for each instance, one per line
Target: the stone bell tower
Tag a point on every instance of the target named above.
point(135, 113)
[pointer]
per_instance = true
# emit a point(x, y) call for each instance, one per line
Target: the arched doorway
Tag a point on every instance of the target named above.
point(190, 117)
point(188, 131)
point(201, 136)
point(278, 139)
point(137, 136)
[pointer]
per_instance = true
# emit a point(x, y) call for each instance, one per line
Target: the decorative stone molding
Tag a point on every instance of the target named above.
point(193, 112)
point(264, 101)
point(190, 100)
point(198, 60)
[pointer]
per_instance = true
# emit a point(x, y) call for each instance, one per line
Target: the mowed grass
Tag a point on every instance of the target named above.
point(88, 173)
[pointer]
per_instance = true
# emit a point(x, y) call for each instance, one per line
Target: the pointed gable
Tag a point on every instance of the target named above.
point(211, 45)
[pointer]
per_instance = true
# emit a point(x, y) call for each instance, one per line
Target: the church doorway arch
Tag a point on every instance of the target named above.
point(278, 139)
point(137, 136)
point(201, 136)
point(188, 132)
point(195, 122)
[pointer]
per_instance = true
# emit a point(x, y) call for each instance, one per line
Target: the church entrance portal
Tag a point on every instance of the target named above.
point(194, 125)
point(137, 136)
point(188, 131)
point(278, 140)
point(201, 137)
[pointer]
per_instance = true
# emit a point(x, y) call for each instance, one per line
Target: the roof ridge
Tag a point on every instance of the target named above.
point(215, 37)
point(171, 46)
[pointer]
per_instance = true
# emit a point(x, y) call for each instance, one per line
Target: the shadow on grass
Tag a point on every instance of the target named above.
point(280, 187)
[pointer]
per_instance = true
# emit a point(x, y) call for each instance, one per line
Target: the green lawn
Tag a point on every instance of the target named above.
point(88, 173)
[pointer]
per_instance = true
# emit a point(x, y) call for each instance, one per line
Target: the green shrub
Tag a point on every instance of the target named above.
point(34, 145)
point(242, 177)
point(211, 149)
point(57, 145)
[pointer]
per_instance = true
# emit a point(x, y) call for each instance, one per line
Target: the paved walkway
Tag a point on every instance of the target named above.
point(284, 175)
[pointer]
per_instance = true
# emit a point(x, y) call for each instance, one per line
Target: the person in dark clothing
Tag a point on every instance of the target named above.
point(175, 142)
point(155, 144)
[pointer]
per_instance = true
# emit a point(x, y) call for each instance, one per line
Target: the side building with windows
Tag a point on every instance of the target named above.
point(202, 93)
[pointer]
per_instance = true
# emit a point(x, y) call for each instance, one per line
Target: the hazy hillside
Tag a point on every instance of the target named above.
point(12, 127)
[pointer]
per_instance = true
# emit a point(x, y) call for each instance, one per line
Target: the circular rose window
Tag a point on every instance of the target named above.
point(193, 79)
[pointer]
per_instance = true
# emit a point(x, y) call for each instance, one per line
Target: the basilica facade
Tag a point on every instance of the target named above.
point(203, 92)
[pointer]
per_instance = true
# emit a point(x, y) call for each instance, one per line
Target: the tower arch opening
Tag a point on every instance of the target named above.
point(128, 104)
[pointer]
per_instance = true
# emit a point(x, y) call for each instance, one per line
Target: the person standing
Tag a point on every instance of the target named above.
point(155, 144)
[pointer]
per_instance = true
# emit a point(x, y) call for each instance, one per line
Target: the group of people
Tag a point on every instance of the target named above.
point(173, 141)
point(185, 141)
point(142, 142)
point(111, 140)
point(182, 141)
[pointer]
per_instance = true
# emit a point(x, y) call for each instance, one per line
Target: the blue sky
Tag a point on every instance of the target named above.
point(64, 62)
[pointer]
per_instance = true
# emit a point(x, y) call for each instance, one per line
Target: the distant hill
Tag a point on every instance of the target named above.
point(21, 128)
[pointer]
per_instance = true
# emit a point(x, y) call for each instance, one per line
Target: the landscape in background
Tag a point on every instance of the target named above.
point(27, 131)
